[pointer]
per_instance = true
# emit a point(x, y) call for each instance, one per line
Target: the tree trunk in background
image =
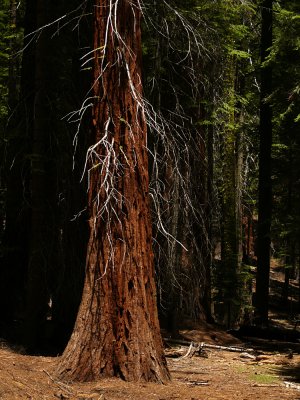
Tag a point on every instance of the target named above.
point(298, 308)
point(43, 249)
point(117, 330)
point(209, 219)
point(290, 242)
point(265, 184)
point(37, 296)
point(16, 234)
point(13, 60)
point(45, 238)
point(65, 163)
point(231, 204)
point(178, 179)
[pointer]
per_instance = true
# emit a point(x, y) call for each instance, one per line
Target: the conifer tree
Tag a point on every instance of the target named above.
point(117, 329)
point(265, 183)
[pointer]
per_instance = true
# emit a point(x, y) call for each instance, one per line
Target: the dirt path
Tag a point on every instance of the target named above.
point(218, 375)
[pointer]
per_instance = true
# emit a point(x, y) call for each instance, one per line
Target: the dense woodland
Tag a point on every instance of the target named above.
point(149, 172)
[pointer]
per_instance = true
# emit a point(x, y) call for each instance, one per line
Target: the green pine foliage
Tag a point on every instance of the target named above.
point(285, 100)
point(234, 117)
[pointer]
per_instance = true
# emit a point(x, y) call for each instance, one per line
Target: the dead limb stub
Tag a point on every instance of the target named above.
point(193, 348)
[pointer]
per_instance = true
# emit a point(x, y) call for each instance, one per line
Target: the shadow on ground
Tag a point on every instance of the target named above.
point(290, 373)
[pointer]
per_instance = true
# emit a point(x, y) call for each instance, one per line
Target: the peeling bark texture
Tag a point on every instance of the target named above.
point(117, 330)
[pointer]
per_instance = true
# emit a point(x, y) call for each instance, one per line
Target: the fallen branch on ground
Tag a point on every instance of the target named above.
point(197, 347)
point(61, 385)
point(292, 385)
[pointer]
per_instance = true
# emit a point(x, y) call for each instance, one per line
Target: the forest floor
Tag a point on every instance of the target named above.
point(272, 371)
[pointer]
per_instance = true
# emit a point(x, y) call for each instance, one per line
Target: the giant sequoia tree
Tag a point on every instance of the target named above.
point(117, 330)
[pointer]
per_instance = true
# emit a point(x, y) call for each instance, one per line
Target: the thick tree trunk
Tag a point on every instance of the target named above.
point(117, 330)
point(265, 184)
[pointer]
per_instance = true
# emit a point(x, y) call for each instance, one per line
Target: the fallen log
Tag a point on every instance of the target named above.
point(227, 348)
point(194, 347)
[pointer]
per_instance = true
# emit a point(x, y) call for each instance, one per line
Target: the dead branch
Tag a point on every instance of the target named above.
point(227, 348)
point(198, 383)
point(265, 385)
point(292, 385)
point(61, 385)
point(191, 351)
point(202, 345)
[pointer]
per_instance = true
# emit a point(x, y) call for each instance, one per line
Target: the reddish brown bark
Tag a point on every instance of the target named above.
point(117, 329)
